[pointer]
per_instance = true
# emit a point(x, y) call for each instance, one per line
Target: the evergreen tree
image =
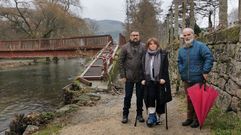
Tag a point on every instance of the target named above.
point(142, 16)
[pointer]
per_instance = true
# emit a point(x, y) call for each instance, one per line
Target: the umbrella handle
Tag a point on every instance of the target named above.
point(204, 82)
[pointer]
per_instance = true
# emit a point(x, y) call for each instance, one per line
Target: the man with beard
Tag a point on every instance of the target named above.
point(195, 61)
point(130, 73)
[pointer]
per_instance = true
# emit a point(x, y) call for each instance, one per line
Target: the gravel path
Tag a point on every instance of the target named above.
point(105, 119)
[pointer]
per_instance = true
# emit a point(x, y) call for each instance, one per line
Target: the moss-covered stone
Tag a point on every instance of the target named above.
point(230, 35)
point(233, 34)
point(211, 38)
point(51, 129)
point(203, 38)
point(221, 36)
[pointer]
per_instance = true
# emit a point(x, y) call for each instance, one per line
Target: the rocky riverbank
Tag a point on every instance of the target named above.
point(9, 64)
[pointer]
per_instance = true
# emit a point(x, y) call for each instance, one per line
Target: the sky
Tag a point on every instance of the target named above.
point(107, 9)
point(115, 9)
point(103, 9)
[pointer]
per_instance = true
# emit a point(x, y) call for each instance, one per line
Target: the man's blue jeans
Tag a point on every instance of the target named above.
point(128, 95)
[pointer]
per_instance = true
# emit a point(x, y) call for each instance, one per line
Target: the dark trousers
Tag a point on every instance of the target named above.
point(190, 109)
point(153, 98)
point(128, 95)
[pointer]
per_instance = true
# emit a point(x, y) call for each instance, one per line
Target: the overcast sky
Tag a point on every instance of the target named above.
point(107, 9)
point(115, 9)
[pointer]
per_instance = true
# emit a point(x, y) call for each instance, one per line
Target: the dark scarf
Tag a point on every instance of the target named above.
point(154, 70)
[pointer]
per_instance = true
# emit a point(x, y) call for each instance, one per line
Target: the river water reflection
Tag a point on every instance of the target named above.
point(35, 88)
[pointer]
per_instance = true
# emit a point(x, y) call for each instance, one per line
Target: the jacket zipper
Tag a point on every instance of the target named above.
point(188, 62)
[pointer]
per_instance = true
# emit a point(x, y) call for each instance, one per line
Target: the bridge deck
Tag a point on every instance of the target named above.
point(62, 47)
point(101, 64)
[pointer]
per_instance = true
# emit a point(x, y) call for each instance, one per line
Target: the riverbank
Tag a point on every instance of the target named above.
point(35, 88)
point(9, 63)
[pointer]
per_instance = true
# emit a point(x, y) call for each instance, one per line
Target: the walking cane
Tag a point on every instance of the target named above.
point(166, 116)
point(135, 121)
point(166, 112)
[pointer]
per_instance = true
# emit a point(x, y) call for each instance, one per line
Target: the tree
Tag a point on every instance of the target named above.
point(176, 13)
point(207, 8)
point(45, 19)
point(146, 21)
point(184, 10)
point(131, 10)
point(223, 6)
point(171, 24)
point(192, 17)
point(239, 11)
point(143, 16)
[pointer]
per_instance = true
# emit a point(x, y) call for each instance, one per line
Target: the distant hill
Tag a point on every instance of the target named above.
point(111, 27)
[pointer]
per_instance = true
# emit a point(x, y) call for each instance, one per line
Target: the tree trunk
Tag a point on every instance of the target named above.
point(192, 17)
point(239, 11)
point(210, 24)
point(223, 6)
point(184, 3)
point(176, 27)
point(171, 25)
point(239, 18)
point(127, 18)
point(167, 30)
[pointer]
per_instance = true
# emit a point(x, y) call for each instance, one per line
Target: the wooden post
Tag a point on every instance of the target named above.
point(105, 66)
point(84, 81)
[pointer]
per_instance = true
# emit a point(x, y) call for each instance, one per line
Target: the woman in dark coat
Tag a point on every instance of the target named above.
point(155, 81)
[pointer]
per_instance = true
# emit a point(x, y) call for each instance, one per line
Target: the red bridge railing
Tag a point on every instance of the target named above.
point(56, 44)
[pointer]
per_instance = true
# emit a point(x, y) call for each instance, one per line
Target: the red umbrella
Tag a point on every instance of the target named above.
point(202, 97)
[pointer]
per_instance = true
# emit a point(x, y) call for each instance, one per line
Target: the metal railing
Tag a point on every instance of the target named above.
point(54, 44)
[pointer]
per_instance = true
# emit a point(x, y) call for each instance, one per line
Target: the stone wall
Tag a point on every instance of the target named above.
point(226, 73)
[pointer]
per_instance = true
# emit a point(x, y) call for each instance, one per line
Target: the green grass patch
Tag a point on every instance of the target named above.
point(51, 129)
point(182, 105)
point(223, 123)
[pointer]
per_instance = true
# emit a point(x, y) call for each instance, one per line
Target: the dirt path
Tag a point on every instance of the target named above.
point(105, 119)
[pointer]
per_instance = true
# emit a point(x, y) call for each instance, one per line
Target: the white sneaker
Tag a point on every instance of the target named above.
point(159, 119)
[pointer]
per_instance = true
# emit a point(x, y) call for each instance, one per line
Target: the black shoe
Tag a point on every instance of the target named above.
point(194, 124)
point(140, 118)
point(124, 119)
point(187, 122)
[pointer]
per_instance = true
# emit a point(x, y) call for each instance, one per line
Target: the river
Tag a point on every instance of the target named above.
point(35, 88)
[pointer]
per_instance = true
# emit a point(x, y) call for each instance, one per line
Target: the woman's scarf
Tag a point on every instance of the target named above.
point(152, 64)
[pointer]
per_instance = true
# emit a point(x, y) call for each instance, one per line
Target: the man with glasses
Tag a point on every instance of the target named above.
point(130, 73)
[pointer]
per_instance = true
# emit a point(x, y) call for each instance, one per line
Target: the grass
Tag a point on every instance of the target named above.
point(51, 129)
point(220, 123)
point(182, 106)
point(223, 123)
